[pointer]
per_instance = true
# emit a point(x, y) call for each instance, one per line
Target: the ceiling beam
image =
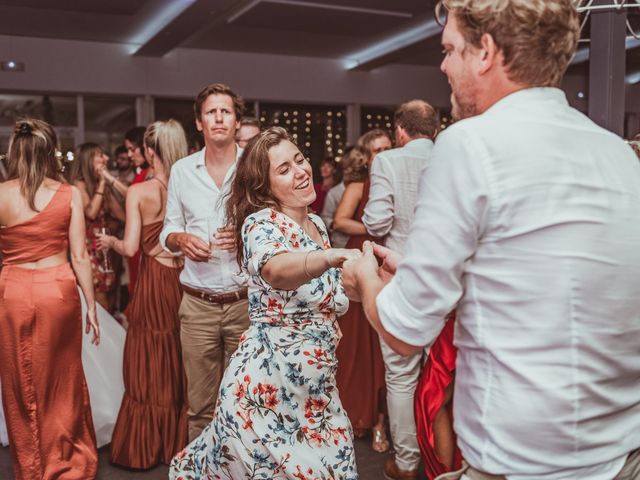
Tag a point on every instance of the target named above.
point(344, 8)
point(324, 6)
point(154, 19)
point(582, 54)
point(380, 51)
point(186, 19)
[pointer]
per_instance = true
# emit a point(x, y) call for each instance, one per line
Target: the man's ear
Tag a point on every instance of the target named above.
point(489, 54)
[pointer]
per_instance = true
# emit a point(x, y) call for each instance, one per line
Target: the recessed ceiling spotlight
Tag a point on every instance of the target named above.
point(12, 66)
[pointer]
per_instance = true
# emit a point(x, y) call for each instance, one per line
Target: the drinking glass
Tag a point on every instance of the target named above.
point(105, 261)
point(217, 256)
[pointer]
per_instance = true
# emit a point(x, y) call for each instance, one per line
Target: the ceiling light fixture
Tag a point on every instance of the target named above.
point(632, 78)
point(412, 35)
point(12, 66)
point(168, 11)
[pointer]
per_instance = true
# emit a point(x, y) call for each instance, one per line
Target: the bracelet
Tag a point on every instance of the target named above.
point(306, 270)
point(112, 181)
point(99, 193)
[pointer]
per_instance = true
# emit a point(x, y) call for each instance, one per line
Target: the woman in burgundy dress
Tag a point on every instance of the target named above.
point(134, 143)
point(328, 180)
point(152, 425)
point(360, 375)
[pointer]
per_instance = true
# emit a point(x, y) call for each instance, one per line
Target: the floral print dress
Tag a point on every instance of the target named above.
point(278, 414)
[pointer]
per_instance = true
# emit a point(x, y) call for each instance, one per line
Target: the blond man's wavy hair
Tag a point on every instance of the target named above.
point(538, 38)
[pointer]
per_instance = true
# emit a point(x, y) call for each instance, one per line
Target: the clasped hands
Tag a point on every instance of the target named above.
point(358, 270)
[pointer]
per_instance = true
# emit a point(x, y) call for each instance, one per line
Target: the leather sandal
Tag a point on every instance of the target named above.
point(380, 442)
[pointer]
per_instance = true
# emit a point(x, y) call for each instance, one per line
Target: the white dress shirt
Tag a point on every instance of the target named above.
point(331, 202)
point(196, 205)
point(394, 192)
point(529, 216)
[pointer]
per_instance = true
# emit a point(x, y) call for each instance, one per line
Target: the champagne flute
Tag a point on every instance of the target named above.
point(106, 261)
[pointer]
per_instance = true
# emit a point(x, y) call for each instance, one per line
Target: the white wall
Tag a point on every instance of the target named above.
point(64, 66)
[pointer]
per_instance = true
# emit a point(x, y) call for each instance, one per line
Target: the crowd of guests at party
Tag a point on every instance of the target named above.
point(464, 299)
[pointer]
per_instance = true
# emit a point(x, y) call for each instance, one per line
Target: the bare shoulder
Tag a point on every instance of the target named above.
point(75, 193)
point(8, 189)
point(80, 185)
point(354, 188)
point(9, 185)
point(142, 190)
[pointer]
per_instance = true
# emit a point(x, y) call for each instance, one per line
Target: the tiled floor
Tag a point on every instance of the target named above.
point(369, 466)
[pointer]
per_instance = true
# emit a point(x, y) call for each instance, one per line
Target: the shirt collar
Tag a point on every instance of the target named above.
point(417, 142)
point(531, 95)
point(200, 156)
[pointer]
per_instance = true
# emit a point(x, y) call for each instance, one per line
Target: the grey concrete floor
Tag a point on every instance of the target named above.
point(369, 466)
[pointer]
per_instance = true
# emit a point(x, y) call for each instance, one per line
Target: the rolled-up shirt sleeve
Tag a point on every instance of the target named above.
point(378, 213)
point(450, 213)
point(174, 221)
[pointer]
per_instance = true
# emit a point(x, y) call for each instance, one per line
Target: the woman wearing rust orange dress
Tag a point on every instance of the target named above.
point(152, 423)
point(360, 374)
point(433, 407)
point(134, 143)
point(44, 393)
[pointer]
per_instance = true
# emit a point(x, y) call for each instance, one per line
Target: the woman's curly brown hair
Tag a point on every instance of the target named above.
point(355, 165)
point(251, 189)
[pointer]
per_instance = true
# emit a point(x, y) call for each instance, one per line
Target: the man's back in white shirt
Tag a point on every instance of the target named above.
point(529, 215)
point(394, 191)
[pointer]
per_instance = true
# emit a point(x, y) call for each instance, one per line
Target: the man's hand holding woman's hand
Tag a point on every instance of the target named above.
point(337, 256)
point(357, 270)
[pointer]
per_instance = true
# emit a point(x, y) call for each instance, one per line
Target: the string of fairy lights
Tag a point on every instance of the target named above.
point(319, 131)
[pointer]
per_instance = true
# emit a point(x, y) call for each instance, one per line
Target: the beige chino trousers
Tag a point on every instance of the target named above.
point(209, 334)
point(630, 471)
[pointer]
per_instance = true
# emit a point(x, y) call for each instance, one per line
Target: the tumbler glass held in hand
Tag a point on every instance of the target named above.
point(217, 254)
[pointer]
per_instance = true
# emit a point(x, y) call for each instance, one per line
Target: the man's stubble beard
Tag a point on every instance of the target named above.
point(461, 109)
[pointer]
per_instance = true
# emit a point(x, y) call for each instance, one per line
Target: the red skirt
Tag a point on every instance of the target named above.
point(437, 375)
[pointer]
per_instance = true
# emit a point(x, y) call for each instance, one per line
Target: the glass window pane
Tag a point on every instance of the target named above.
point(57, 110)
point(106, 119)
point(182, 111)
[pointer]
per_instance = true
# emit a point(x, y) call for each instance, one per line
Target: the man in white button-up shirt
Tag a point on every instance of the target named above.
point(214, 308)
point(388, 214)
point(528, 220)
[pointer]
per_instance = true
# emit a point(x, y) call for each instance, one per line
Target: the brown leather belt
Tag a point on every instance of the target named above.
point(216, 298)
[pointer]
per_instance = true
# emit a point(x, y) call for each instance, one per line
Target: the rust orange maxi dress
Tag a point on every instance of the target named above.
point(152, 422)
point(360, 374)
point(44, 393)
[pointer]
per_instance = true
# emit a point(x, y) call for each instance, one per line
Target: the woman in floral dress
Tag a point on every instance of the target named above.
point(278, 414)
